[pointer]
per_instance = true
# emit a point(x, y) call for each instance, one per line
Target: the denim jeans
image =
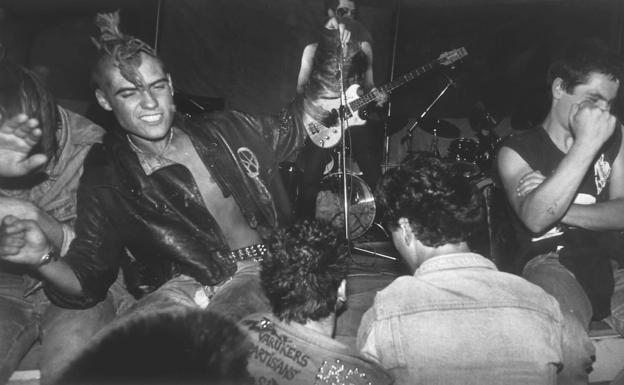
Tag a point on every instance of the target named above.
point(578, 350)
point(616, 319)
point(24, 320)
point(237, 297)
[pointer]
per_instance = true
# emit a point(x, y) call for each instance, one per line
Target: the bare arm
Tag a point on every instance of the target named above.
point(369, 82)
point(607, 215)
point(307, 60)
point(547, 203)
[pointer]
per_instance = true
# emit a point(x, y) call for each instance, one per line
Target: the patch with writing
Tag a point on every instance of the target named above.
point(275, 352)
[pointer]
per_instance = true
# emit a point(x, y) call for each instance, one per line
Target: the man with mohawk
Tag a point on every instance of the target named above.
point(180, 204)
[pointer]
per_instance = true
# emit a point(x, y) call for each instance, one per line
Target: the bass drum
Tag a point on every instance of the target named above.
point(330, 203)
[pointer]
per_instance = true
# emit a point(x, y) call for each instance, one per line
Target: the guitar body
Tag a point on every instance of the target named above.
point(328, 134)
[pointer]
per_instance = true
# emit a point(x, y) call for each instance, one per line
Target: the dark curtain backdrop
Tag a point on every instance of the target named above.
point(248, 51)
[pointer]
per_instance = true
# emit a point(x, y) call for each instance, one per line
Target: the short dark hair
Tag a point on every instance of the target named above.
point(117, 49)
point(175, 346)
point(22, 91)
point(302, 270)
point(441, 204)
point(578, 60)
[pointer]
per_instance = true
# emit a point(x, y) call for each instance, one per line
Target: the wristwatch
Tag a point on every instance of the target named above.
point(48, 257)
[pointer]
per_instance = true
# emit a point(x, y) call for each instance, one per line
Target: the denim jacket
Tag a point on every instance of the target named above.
point(160, 218)
point(56, 193)
point(460, 321)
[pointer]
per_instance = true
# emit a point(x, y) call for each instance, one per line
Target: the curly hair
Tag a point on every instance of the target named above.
point(578, 60)
point(170, 346)
point(119, 50)
point(22, 91)
point(440, 203)
point(302, 270)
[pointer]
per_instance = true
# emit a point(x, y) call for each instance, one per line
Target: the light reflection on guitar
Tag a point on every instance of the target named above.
point(327, 133)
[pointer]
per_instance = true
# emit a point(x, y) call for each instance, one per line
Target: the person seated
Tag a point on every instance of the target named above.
point(179, 347)
point(42, 149)
point(182, 204)
point(564, 182)
point(457, 320)
point(304, 276)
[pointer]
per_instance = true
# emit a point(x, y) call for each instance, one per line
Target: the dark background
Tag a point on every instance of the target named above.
point(248, 51)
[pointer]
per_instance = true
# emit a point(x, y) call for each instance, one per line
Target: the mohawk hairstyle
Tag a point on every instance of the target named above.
point(124, 50)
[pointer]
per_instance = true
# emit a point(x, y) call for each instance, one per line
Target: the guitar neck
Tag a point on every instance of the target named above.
point(396, 83)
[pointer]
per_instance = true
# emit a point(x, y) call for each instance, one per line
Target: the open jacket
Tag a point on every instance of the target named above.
point(156, 226)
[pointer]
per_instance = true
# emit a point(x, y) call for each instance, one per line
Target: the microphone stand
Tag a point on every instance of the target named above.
point(343, 131)
point(343, 126)
point(410, 131)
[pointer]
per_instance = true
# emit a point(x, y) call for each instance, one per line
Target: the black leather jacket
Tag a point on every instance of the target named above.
point(156, 226)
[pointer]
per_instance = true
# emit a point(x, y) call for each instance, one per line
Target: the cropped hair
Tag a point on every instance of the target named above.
point(582, 58)
point(23, 92)
point(117, 49)
point(303, 269)
point(172, 346)
point(441, 204)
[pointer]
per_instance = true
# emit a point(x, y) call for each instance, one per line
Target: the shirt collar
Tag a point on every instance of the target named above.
point(454, 261)
point(150, 162)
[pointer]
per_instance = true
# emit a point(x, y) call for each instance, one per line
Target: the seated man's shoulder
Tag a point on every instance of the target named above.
point(83, 130)
point(524, 137)
point(99, 165)
point(228, 116)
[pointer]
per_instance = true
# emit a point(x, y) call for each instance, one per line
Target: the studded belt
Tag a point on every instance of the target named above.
point(254, 252)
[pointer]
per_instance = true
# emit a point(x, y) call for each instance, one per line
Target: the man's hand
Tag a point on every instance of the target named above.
point(18, 136)
point(22, 241)
point(529, 182)
point(591, 125)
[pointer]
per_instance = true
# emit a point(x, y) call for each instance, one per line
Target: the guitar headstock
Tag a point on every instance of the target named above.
point(450, 57)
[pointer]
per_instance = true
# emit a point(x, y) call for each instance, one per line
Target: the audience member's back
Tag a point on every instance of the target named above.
point(304, 276)
point(457, 320)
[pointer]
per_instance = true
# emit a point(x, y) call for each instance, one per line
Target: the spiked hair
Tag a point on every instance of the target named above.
point(117, 49)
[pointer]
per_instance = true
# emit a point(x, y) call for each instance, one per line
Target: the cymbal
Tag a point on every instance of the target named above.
point(440, 128)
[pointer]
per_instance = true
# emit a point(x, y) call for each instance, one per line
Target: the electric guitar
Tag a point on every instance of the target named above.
point(327, 133)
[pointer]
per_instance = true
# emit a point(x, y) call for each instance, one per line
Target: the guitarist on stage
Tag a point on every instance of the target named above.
point(319, 78)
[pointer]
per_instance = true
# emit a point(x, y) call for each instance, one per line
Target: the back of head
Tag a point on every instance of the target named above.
point(440, 203)
point(116, 49)
point(578, 60)
point(23, 92)
point(303, 270)
point(169, 347)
